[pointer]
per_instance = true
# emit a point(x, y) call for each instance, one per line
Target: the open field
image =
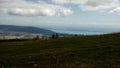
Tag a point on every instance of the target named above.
point(102, 51)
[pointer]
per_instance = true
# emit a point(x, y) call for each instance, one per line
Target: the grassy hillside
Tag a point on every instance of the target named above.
point(74, 52)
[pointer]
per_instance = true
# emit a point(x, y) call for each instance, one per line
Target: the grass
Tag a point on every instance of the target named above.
point(100, 51)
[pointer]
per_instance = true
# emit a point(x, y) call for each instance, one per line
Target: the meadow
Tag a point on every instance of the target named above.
point(97, 51)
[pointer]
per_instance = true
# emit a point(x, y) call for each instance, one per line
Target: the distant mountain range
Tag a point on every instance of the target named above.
point(12, 29)
point(21, 30)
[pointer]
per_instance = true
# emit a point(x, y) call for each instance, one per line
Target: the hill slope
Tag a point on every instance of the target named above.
point(9, 29)
point(73, 52)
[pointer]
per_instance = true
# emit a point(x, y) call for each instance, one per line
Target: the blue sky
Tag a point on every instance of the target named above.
point(65, 16)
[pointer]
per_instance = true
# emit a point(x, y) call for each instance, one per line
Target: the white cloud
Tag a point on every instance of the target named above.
point(69, 1)
point(23, 7)
point(116, 10)
point(100, 5)
point(56, 7)
point(93, 5)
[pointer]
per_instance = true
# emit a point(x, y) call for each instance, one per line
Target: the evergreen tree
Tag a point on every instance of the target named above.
point(53, 36)
point(57, 35)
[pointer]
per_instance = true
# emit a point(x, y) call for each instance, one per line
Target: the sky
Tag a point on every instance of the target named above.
point(64, 16)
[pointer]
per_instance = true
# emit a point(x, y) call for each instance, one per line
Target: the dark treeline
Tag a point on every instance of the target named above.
point(55, 36)
point(14, 40)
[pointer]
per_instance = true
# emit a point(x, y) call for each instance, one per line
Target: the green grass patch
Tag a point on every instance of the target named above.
point(100, 51)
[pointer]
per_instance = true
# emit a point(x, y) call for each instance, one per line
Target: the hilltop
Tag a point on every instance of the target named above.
point(13, 29)
point(26, 32)
point(97, 51)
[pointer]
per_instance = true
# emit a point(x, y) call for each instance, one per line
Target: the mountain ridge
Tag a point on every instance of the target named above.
point(24, 29)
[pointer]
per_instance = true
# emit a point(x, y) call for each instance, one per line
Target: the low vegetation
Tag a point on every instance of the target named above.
point(100, 51)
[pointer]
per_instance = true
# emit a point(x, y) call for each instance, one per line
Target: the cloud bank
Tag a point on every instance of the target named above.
point(56, 7)
point(94, 5)
point(41, 8)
